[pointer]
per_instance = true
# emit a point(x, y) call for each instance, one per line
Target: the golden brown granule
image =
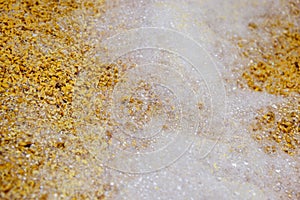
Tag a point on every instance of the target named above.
point(109, 76)
point(273, 52)
point(278, 128)
point(275, 63)
point(43, 46)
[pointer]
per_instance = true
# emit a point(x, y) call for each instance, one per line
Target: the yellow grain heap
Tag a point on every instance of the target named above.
point(43, 46)
point(281, 126)
point(273, 51)
point(276, 67)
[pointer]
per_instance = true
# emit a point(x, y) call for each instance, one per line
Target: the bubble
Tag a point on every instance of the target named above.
point(169, 92)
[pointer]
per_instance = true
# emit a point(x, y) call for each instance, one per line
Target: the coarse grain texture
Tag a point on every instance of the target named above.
point(140, 104)
point(278, 128)
point(43, 47)
point(138, 108)
point(273, 52)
